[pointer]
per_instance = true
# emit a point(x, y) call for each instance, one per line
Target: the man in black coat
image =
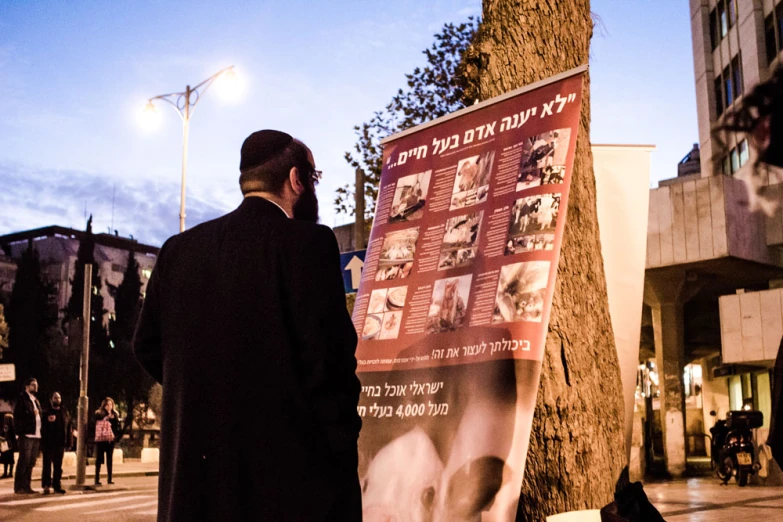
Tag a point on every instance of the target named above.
point(245, 326)
point(27, 423)
point(56, 435)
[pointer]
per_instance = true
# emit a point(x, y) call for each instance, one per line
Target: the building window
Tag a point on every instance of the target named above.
point(769, 38)
point(718, 96)
point(715, 35)
point(732, 13)
point(735, 162)
point(735, 159)
point(146, 272)
point(736, 72)
point(728, 91)
point(779, 17)
point(728, 85)
point(722, 18)
point(742, 147)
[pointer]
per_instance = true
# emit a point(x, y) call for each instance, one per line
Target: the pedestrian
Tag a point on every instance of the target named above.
point(245, 322)
point(55, 437)
point(27, 423)
point(759, 116)
point(7, 451)
point(107, 432)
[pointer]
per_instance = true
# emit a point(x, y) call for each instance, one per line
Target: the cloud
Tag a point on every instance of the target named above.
point(147, 209)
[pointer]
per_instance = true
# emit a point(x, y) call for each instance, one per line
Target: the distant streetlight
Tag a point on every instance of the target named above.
point(185, 102)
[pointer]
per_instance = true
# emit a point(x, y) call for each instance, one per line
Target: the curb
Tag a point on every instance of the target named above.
point(129, 474)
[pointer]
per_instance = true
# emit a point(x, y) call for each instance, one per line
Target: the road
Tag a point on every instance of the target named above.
point(130, 499)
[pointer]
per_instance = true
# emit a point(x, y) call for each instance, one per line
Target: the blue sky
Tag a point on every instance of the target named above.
point(74, 74)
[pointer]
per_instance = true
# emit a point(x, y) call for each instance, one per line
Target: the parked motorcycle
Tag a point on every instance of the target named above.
point(733, 446)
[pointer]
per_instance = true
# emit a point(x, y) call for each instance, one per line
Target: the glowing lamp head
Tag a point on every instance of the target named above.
point(149, 118)
point(229, 86)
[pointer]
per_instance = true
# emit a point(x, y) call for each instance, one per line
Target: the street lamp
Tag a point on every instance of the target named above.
point(185, 102)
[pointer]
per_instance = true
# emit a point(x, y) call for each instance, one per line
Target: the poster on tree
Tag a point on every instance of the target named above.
point(453, 308)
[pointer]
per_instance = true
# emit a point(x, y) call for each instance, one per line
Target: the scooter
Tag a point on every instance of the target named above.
point(733, 449)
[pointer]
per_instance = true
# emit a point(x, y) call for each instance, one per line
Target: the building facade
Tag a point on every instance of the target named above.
point(713, 320)
point(57, 247)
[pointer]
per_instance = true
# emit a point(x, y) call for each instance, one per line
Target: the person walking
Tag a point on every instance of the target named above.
point(55, 437)
point(27, 423)
point(107, 431)
point(7, 452)
point(255, 297)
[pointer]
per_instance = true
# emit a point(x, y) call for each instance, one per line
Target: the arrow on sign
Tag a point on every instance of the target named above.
point(355, 265)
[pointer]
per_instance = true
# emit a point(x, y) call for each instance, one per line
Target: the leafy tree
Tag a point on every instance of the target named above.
point(435, 90)
point(30, 318)
point(132, 385)
point(99, 337)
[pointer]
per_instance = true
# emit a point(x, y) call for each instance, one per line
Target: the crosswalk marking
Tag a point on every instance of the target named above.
point(54, 498)
point(121, 508)
point(90, 503)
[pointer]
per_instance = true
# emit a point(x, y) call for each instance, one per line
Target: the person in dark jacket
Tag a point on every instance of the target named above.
point(105, 449)
point(27, 423)
point(252, 305)
point(55, 437)
point(9, 435)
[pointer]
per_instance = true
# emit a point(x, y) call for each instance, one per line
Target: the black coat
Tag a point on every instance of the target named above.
point(56, 429)
point(24, 415)
point(245, 325)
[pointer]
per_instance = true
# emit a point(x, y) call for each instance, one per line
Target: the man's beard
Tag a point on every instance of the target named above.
point(306, 207)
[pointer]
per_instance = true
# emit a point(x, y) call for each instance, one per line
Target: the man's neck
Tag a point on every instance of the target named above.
point(273, 198)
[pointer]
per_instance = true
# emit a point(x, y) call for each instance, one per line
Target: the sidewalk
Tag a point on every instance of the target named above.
point(129, 468)
point(700, 499)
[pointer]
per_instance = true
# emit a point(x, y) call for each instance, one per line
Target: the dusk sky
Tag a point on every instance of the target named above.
point(73, 76)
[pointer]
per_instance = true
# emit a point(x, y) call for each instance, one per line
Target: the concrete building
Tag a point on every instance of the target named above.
point(712, 324)
point(57, 247)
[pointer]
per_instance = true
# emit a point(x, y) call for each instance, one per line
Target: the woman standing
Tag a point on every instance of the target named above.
point(7, 456)
point(107, 430)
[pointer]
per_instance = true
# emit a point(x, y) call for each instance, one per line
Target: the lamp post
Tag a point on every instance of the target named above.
point(184, 103)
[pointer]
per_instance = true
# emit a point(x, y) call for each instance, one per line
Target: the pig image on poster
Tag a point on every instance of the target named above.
point(402, 480)
point(464, 466)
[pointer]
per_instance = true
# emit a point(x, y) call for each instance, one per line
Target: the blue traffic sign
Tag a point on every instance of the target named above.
point(352, 264)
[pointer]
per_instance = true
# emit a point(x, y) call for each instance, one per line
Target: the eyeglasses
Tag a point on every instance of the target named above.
point(316, 175)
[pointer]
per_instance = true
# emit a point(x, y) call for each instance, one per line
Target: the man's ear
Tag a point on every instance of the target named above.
point(296, 184)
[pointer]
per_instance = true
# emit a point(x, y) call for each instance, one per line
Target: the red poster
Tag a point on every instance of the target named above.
point(454, 304)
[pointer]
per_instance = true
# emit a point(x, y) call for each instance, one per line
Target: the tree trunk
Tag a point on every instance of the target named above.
point(577, 451)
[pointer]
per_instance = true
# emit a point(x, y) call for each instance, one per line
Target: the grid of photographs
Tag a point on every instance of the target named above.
point(397, 253)
point(471, 184)
point(449, 304)
point(410, 196)
point(460, 241)
point(384, 314)
point(543, 159)
point(533, 222)
point(521, 292)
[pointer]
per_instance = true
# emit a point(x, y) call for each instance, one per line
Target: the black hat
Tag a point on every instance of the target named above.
point(262, 146)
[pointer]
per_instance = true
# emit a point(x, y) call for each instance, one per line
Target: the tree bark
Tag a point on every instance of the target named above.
point(577, 451)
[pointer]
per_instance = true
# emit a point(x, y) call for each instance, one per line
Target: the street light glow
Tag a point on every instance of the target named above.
point(184, 103)
point(149, 117)
point(229, 86)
